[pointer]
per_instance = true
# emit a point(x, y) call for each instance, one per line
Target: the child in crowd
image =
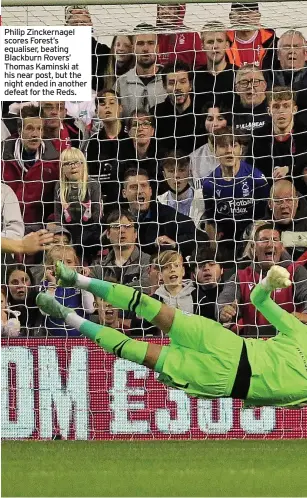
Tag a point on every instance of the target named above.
point(181, 195)
point(81, 301)
point(78, 204)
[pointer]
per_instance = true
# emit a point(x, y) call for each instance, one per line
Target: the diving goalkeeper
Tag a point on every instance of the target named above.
point(203, 359)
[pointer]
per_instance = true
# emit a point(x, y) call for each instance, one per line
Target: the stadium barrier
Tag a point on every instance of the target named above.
point(71, 389)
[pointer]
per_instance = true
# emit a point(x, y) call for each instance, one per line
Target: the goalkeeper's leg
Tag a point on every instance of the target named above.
point(112, 340)
point(191, 331)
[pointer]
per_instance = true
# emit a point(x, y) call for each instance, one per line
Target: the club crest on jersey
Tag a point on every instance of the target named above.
point(181, 39)
point(245, 189)
point(218, 192)
point(251, 286)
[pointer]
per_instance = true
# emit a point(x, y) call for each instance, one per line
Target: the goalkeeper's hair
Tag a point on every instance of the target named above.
point(279, 93)
point(73, 155)
point(175, 67)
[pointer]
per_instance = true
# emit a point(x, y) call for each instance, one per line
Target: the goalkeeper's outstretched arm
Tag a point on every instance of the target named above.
point(277, 277)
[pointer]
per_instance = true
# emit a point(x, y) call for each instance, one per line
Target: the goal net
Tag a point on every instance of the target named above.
point(191, 182)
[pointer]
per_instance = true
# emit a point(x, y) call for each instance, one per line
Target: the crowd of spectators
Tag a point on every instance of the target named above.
point(185, 176)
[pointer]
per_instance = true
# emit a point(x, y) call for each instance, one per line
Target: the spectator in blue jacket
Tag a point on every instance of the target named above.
point(235, 193)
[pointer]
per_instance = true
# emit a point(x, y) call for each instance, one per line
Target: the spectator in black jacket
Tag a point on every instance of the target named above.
point(279, 149)
point(160, 227)
point(215, 81)
point(103, 149)
point(207, 272)
point(178, 120)
point(80, 16)
point(250, 108)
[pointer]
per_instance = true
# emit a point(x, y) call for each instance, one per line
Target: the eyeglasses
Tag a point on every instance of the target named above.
point(119, 226)
point(70, 163)
point(244, 84)
point(138, 124)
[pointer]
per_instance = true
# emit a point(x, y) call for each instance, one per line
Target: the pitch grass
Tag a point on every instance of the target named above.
point(152, 468)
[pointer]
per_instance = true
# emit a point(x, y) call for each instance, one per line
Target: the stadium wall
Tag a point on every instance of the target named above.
point(71, 389)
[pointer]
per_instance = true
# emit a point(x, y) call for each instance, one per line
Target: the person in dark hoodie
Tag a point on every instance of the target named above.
point(179, 123)
point(79, 15)
point(173, 46)
point(207, 272)
point(21, 296)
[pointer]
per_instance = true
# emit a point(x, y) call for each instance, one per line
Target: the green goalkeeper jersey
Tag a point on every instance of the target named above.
point(279, 364)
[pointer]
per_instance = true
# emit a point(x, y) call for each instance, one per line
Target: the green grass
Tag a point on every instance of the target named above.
point(165, 468)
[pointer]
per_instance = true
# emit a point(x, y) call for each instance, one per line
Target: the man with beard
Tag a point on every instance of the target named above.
point(178, 120)
point(142, 86)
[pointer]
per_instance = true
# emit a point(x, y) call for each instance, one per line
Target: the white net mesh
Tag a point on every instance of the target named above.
point(110, 150)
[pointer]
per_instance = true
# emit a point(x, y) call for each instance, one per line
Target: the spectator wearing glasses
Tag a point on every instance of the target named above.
point(59, 129)
point(103, 149)
point(279, 148)
point(126, 263)
point(78, 204)
point(141, 87)
point(141, 151)
point(250, 109)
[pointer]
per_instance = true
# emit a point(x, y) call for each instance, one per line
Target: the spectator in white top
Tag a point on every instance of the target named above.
point(181, 195)
point(203, 160)
point(142, 86)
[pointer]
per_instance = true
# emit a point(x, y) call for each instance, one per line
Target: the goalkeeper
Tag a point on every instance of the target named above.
point(203, 359)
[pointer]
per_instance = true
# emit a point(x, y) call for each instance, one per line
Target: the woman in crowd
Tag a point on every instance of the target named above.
point(21, 295)
point(82, 302)
point(78, 204)
point(203, 160)
point(120, 60)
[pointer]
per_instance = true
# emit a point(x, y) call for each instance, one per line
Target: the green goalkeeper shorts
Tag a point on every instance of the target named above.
point(202, 358)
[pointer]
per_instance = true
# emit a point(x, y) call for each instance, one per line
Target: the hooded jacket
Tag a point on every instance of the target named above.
point(33, 185)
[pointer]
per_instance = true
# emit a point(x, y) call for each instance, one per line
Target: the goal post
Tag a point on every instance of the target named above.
point(68, 387)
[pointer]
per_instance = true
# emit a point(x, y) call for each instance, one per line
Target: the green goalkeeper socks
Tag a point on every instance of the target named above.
point(111, 340)
point(120, 296)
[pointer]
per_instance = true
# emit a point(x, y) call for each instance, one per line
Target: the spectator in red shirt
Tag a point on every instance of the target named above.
point(185, 46)
point(58, 128)
point(30, 166)
point(249, 44)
